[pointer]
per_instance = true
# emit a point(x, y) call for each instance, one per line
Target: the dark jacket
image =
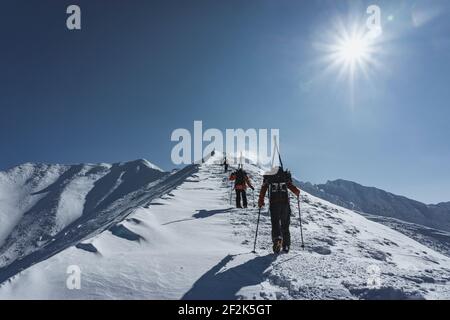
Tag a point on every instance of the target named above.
point(281, 182)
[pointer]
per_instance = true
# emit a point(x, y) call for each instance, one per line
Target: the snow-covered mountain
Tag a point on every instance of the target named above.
point(428, 224)
point(378, 202)
point(172, 236)
point(47, 208)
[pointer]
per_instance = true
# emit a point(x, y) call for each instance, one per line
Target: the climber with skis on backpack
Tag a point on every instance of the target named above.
point(278, 182)
point(241, 181)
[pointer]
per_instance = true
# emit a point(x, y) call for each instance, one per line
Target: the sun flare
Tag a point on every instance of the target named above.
point(353, 49)
point(351, 55)
point(352, 52)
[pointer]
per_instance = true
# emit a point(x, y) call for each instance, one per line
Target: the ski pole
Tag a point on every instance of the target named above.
point(256, 234)
point(253, 195)
point(300, 219)
point(231, 192)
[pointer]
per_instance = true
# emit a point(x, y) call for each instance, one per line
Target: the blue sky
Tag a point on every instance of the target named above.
point(137, 70)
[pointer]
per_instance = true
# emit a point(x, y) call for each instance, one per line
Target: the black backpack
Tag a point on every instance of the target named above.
point(278, 191)
point(240, 177)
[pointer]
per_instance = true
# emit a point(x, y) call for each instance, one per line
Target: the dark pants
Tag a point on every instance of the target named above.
point(240, 193)
point(280, 216)
point(225, 168)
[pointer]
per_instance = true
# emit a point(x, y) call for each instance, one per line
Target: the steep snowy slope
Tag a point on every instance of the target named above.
point(19, 188)
point(435, 239)
point(47, 208)
point(190, 243)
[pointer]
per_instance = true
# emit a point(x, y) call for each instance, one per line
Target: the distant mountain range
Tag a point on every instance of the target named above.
point(378, 202)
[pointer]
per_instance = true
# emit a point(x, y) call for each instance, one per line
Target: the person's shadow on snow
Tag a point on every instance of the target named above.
point(201, 214)
point(216, 285)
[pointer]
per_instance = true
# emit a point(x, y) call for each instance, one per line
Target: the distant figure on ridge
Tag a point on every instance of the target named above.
point(225, 165)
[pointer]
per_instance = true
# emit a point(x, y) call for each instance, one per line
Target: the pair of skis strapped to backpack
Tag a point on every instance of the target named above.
point(279, 187)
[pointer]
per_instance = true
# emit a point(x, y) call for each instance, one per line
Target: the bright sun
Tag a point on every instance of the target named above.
point(351, 55)
point(353, 49)
point(351, 52)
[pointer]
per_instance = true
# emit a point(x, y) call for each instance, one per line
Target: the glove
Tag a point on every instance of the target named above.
point(260, 203)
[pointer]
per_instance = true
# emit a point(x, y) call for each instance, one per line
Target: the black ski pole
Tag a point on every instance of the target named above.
point(300, 219)
point(253, 194)
point(256, 234)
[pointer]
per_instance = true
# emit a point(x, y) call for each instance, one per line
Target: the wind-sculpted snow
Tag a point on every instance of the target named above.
point(188, 242)
point(105, 195)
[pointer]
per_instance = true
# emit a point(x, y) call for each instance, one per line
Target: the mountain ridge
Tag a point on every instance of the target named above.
point(182, 239)
point(42, 203)
point(377, 201)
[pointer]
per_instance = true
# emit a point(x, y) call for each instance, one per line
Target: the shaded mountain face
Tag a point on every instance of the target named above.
point(442, 208)
point(45, 208)
point(379, 202)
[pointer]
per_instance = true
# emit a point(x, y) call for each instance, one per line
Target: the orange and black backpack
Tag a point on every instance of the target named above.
point(241, 176)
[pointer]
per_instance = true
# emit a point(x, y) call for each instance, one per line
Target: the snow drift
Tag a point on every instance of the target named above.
point(47, 208)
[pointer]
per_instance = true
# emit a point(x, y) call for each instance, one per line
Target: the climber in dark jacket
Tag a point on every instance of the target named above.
point(278, 182)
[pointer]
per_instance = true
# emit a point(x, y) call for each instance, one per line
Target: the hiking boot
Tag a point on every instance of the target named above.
point(277, 245)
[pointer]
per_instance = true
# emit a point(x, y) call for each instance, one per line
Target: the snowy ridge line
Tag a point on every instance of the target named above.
point(432, 236)
point(192, 244)
point(379, 202)
point(87, 226)
point(76, 191)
